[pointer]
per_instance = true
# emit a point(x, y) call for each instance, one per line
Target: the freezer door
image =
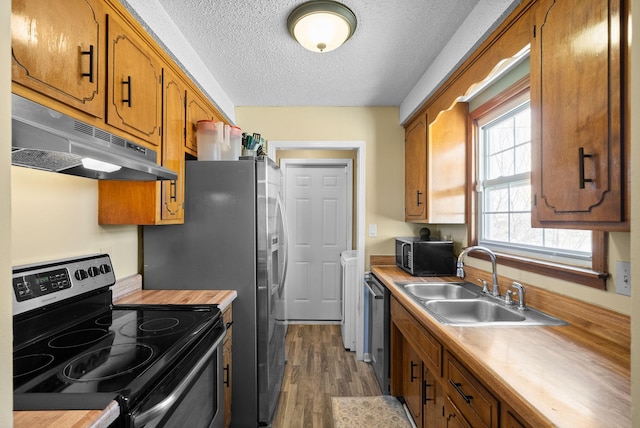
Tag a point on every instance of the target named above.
point(271, 257)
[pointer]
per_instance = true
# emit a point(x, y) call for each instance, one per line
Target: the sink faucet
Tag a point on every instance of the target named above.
point(460, 266)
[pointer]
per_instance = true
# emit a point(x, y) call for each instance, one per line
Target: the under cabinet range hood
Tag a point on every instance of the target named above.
point(48, 140)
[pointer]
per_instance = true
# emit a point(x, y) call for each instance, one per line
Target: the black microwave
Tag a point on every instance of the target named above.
point(429, 257)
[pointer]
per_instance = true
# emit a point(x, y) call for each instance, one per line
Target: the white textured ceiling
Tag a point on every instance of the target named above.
point(247, 50)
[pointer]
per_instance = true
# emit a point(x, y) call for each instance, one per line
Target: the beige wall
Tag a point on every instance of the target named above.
point(635, 219)
point(379, 127)
point(56, 216)
point(6, 333)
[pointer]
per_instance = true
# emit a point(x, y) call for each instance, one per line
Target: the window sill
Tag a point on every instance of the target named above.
point(574, 274)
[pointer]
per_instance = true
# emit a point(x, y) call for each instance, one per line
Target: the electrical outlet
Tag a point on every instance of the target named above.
point(623, 278)
point(373, 230)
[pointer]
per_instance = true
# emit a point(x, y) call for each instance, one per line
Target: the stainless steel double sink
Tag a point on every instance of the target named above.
point(464, 304)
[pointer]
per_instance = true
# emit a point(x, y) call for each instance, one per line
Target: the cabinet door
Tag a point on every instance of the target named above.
point(197, 109)
point(412, 382)
point(134, 84)
point(433, 399)
point(173, 136)
point(415, 171)
point(446, 166)
point(577, 170)
point(57, 50)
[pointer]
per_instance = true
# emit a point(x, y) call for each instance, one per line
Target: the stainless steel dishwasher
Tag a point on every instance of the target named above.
point(379, 330)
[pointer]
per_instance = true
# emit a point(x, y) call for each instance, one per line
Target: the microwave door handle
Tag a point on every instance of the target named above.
point(159, 409)
point(405, 254)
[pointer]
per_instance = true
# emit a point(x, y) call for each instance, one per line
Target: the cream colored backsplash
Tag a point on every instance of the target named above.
point(56, 216)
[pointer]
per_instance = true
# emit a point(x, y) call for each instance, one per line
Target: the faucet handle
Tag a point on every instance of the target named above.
point(507, 298)
point(521, 292)
point(485, 286)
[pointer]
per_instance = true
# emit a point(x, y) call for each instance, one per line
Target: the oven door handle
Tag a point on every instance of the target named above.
point(145, 417)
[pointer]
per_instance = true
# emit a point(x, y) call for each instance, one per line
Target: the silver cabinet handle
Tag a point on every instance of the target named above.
point(373, 293)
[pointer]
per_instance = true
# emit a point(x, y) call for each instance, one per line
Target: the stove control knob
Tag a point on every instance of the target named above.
point(105, 268)
point(94, 271)
point(81, 274)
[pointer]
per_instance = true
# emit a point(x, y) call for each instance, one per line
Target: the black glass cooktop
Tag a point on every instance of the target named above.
point(115, 352)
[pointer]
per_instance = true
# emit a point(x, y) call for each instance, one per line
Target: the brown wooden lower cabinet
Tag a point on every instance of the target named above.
point(412, 382)
point(478, 405)
point(226, 351)
point(433, 400)
point(452, 418)
point(451, 397)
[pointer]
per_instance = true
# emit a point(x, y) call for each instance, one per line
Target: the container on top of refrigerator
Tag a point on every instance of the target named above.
point(209, 137)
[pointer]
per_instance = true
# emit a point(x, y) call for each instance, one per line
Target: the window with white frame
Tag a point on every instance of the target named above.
point(504, 191)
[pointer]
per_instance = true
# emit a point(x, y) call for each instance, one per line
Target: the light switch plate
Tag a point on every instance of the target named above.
point(373, 230)
point(623, 278)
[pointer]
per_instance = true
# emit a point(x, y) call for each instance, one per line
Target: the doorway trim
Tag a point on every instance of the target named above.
point(360, 147)
point(345, 165)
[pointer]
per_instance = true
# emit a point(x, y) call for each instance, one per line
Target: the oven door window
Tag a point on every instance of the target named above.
point(189, 396)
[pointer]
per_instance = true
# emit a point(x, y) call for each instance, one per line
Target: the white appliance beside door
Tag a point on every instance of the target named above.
point(351, 292)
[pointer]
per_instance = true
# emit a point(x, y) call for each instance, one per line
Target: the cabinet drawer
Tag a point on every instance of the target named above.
point(427, 346)
point(475, 402)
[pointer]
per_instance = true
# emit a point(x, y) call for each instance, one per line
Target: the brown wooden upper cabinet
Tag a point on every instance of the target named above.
point(60, 55)
point(415, 170)
point(174, 127)
point(134, 85)
point(150, 202)
point(579, 173)
point(435, 167)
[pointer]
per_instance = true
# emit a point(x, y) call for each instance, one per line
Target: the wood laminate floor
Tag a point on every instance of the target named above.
point(318, 368)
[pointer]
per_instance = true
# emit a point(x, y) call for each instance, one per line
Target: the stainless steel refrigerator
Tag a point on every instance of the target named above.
point(233, 237)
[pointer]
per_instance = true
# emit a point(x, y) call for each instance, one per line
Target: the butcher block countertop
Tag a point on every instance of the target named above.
point(568, 376)
point(222, 298)
point(103, 418)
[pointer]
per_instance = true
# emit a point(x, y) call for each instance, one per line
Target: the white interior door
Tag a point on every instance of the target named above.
point(318, 196)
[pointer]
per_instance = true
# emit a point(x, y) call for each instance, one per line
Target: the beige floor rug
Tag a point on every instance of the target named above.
point(368, 412)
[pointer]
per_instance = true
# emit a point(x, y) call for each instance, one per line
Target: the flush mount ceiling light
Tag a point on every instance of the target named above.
point(321, 26)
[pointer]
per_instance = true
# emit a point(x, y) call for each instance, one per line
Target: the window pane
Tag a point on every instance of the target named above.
point(522, 126)
point(505, 211)
point(521, 197)
point(522, 232)
point(500, 136)
point(523, 158)
point(497, 199)
point(572, 240)
point(500, 165)
point(497, 227)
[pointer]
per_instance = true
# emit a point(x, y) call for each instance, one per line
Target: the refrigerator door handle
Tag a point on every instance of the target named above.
point(285, 229)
